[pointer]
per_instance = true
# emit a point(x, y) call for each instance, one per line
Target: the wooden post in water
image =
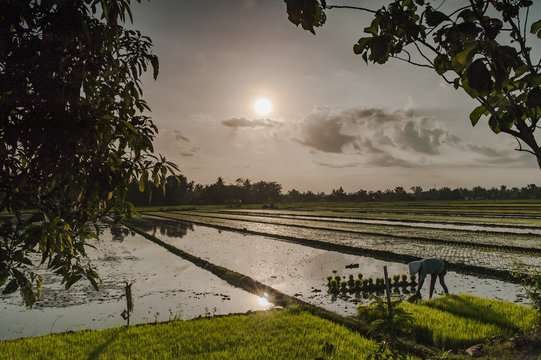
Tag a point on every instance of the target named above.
point(388, 292)
point(129, 302)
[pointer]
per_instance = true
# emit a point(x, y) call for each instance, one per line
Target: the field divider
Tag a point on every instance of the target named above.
point(510, 248)
point(253, 286)
point(352, 250)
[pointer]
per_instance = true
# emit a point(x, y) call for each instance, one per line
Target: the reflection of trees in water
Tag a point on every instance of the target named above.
point(120, 232)
point(170, 228)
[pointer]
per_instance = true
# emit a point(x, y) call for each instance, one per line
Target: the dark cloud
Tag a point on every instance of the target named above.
point(426, 141)
point(338, 166)
point(325, 135)
point(243, 122)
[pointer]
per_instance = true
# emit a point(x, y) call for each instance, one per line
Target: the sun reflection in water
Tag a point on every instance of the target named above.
point(263, 301)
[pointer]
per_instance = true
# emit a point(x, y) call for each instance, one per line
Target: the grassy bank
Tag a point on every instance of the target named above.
point(459, 321)
point(287, 334)
point(452, 322)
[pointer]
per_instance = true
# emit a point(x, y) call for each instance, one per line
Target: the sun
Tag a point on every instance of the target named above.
point(262, 106)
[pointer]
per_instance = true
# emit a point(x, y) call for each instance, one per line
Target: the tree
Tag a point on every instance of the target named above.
point(74, 132)
point(479, 46)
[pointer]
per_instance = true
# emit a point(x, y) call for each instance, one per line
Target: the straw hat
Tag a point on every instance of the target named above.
point(414, 266)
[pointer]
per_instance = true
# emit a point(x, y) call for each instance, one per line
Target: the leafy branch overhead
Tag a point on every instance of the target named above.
point(483, 47)
point(74, 132)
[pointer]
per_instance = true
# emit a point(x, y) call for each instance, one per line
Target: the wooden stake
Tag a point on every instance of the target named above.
point(388, 292)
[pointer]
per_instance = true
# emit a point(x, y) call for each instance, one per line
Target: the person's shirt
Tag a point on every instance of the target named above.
point(431, 266)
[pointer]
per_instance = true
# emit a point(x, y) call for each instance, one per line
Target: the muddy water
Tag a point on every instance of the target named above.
point(164, 287)
point(301, 271)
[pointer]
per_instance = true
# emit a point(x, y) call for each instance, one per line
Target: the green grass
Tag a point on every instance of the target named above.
point(287, 334)
point(508, 316)
point(458, 321)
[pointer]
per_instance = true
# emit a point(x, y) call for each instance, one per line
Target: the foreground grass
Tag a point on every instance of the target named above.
point(287, 334)
point(459, 321)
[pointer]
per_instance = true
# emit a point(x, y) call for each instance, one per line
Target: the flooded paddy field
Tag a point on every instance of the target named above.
point(456, 233)
point(164, 287)
point(299, 270)
point(476, 254)
point(433, 223)
point(513, 217)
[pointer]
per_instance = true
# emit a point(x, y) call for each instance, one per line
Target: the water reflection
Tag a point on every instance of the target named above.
point(119, 232)
point(165, 227)
point(263, 301)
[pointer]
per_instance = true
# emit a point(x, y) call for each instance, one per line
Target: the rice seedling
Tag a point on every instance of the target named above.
point(445, 330)
point(344, 286)
point(508, 316)
point(334, 288)
point(351, 281)
point(365, 284)
point(358, 285)
point(370, 284)
point(404, 279)
point(459, 321)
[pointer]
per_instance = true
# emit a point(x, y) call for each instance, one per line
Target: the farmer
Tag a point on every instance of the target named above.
point(434, 267)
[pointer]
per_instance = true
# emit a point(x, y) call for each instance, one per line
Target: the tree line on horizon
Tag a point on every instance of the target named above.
point(180, 191)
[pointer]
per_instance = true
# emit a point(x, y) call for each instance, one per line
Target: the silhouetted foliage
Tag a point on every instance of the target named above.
point(73, 132)
point(269, 194)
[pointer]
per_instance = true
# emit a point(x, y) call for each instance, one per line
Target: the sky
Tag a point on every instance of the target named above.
point(335, 120)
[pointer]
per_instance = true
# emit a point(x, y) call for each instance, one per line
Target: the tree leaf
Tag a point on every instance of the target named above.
point(476, 114)
point(536, 26)
point(3, 277)
point(142, 181)
point(72, 280)
point(11, 287)
point(442, 64)
point(494, 125)
point(479, 78)
point(434, 17)
point(534, 98)
point(155, 66)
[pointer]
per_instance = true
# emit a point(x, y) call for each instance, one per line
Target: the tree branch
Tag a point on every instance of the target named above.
point(351, 7)
point(520, 146)
point(409, 61)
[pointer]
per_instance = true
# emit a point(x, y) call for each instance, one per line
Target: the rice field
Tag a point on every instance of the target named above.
point(484, 249)
point(528, 220)
point(287, 334)
point(459, 321)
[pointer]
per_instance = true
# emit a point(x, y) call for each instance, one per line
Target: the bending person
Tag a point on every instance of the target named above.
point(434, 267)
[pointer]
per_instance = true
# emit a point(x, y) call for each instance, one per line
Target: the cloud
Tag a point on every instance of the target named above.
point(420, 139)
point(375, 137)
point(324, 134)
point(178, 136)
point(243, 122)
point(189, 152)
